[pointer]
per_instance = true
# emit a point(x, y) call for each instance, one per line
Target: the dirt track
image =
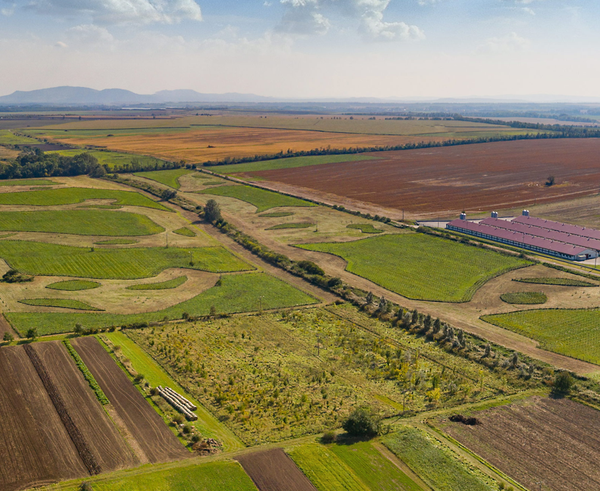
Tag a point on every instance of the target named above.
point(273, 470)
point(155, 440)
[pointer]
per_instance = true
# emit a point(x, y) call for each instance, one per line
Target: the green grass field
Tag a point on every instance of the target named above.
point(209, 476)
point(282, 226)
point(186, 232)
point(167, 177)
point(289, 163)
point(7, 137)
point(155, 375)
point(277, 214)
point(116, 242)
point(570, 332)
point(420, 266)
point(236, 293)
point(163, 285)
point(365, 228)
point(79, 222)
point(45, 259)
point(524, 298)
point(434, 463)
point(262, 199)
point(28, 182)
point(73, 285)
point(69, 196)
point(61, 303)
point(112, 159)
point(555, 281)
point(325, 470)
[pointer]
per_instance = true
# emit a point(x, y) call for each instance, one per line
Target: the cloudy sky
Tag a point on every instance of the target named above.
point(305, 48)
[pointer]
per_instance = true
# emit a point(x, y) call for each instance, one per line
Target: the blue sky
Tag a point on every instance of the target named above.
point(305, 48)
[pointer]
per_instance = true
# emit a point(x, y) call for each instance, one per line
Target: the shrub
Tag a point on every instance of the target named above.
point(362, 422)
point(328, 437)
point(563, 382)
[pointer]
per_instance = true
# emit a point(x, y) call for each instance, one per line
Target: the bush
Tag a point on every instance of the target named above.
point(563, 382)
point(178, 419)
point(362, 422)
point(8, 337)
point(310, 268)
point(328, 437)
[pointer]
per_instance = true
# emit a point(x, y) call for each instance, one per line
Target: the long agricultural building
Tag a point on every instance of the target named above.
point(544, 236)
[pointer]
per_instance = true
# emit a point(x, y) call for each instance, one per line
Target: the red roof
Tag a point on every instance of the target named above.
point(561, 227)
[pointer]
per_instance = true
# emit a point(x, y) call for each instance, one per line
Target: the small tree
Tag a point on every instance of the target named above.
point(8, 337)
point(362, 422)
point(563, 383)
point(32, 333)
point(168, 194)
point(415, 316)
point(212, 211)
point(550, 181)
point(369, 298)
point(78, 329)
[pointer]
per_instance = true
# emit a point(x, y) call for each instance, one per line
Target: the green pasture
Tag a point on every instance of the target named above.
point(186, 232)
point(69, 196)
point(28, 182)
point(420, 266)
point(210, 476)
point(289, 163)
point(263, 200)
point(7, 137)
point(167, 177)
point(571, 332)
point(79, 222)
point(277, 214)
point(163, 285)
point(524, 298)
point(116, 242)
point(434, 463)
point(112, 159)
point(282, 226)
point(45, 259)
point(325, 470)
point(365, 228)
point(155, 375)
point(73, 285)
point(555, 281)
point(235, 293)
point(61, 303)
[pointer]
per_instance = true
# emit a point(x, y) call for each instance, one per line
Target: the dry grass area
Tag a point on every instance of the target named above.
point(7, 153)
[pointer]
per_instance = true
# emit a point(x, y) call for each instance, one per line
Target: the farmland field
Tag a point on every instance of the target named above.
point(288, 163)
point(365, 228)
point(466, 177)
point(555, 281)
point(112, 159)
point(69, 196)
point(549, 441)
point(61, 303)
point(524, 298)
point(166, 177)
point(422, 267)
point(73, 285)
point(262, 199)
point(437, 465)
point(79, 222)
point(163, 285)
point(571, 332)
point(28, 182)
point(7, 137)
point(283, 226)
point(116, 242)
point(186, 232)
point(45, 259)
point(235, 293)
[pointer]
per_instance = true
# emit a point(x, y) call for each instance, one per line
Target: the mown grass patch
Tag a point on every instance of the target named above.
point(167, 177)
point(524, 298)
point(163, 285)
point(234, 293)
point(555, 281)
point(28, 182)
point(61, 303)
point(289, 163)
point(277, 214)
point(79, 222)
point(570, 332)
point(282, 226)
point(116, 242)
point(73, 285)
point(420, 266)
point(186, 232)
point(365, 228)
point(263, 200)
point(436, 464)
point(45, 259)
point(69, 196)
point(325, 470)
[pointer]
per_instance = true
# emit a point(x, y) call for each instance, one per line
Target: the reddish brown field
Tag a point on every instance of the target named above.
point(152, 437)
point(105, 442)
point(467, 177)
point(273, 470)
point(34, 446)
point(541, 443)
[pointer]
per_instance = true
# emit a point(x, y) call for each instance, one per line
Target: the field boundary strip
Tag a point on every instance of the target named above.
point(100, 395)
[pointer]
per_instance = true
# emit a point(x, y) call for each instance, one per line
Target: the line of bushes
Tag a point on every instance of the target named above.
point(100, 395)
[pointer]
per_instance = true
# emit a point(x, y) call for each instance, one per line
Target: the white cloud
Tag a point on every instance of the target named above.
point(122, 11)
point(89, 34)
point(61, 45)
point(506, 44)
point(528, 10)
point(8, 11)
point(310, 17)
point(428, 2)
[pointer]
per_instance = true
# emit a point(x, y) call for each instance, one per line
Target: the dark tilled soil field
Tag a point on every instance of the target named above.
point(273, 470)
point(105, 442)
point(151, 434)
point(34, 445)
point(467, 177)
point(548, 444)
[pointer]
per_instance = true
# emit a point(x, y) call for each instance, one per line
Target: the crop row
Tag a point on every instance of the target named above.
point(101, 396)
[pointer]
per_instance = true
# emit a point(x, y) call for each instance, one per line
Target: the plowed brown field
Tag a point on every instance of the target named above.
point(546, 444)
point(468, 177)
point(34, 445)
point(273, 470)
point(153, 437)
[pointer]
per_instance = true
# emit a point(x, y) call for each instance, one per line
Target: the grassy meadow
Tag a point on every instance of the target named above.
point(163, 285)
point(79, 222)
point(73, 285)
point(28, 182)
point(289, 163)
point(555, 281)
point(7, 137)
point(420, 266)
point(524, 298)
point(283, 226)
point(61, 303)
point(263, 200)
point(186, 232)
point(365, 228)
point(167, 177)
